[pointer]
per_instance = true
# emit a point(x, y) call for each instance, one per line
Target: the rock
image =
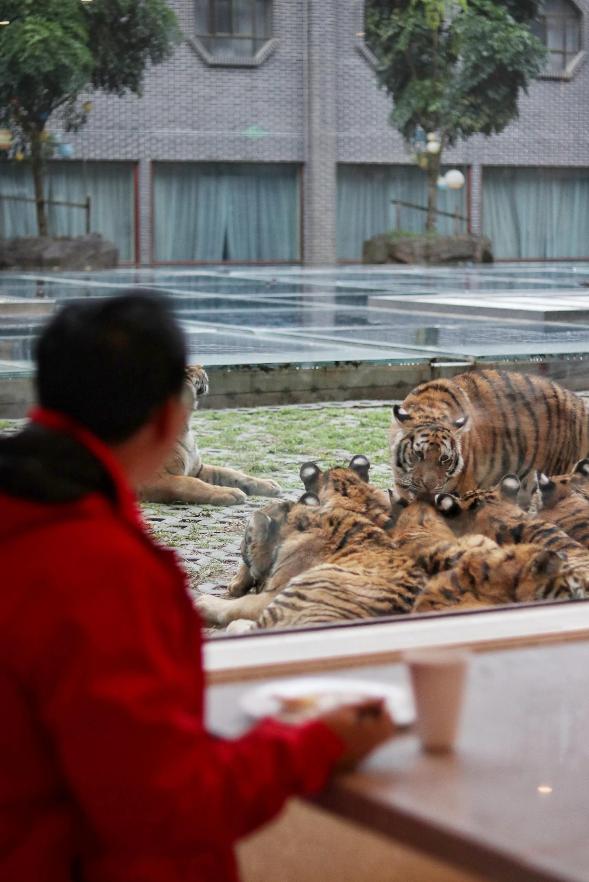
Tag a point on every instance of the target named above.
point(89, 252)
point(392, 248)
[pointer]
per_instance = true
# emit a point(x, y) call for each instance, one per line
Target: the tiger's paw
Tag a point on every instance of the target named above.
point(228, 496)
point(255, 487)
point(240, 626)
point(211, 608)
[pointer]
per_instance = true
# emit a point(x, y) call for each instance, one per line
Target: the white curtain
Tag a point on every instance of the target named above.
point(365, 209)
point(221, 211)
point(110, 186)
point(536, 213)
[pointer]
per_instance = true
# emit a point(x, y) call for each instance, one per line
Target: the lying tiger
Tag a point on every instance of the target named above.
point(464, 433)
point(496, 514)
point(326, 566)
point(185, 478)
point(330, 562)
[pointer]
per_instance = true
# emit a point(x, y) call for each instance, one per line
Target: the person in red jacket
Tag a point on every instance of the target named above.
point(106, 769)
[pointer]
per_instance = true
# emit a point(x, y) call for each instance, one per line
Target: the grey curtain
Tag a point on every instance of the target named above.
point(537, 213)
point(110, 186)
point(222, 211)
point(364, 207)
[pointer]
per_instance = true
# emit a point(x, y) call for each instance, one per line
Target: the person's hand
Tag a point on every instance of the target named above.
point(361, 726)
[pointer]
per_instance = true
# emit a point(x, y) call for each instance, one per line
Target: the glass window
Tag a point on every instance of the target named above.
point(537, 213)
point(110, 186)
point(226, 212)
point(559, 27)
point(374, 199)
point(233, 28)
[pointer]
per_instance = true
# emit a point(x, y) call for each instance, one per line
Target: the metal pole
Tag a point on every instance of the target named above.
point(88, 208)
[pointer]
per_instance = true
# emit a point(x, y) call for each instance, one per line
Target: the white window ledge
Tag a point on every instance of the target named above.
point(272, 653)
point(230, 60)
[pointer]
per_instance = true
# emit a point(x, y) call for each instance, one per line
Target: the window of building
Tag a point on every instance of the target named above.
point(236, 212)
point(111, 187)
point(559, 27)
point(375, 199)
point(233, 29)
point(536, 213)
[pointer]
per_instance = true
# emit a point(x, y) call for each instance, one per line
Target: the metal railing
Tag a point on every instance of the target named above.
point(453, 214)
point(86, 205)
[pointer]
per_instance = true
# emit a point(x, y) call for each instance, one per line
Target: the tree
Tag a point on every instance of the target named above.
point(54, 50)
point(452, 67)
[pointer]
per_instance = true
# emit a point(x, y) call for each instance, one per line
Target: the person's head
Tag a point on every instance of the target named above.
point(111, 364)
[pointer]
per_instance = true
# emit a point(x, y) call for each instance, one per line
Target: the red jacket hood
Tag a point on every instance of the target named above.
point(19, 514)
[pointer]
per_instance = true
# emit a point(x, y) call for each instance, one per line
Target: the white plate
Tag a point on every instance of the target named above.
point(323, 694)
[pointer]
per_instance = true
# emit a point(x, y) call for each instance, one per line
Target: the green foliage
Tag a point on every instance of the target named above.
point(54, 50)
point(124, 37)
point(456, 68)
point(44, 58)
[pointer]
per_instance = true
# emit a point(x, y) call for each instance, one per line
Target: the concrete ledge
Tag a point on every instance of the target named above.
point(17, 307)
point(245, 386)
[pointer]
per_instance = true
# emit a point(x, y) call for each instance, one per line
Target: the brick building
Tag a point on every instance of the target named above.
point(265, 138)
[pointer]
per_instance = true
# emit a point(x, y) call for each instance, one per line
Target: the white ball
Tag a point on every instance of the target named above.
point(454, 179)
point(433, 147)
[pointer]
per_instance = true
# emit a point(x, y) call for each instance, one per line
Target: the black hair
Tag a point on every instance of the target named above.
point(109, 363)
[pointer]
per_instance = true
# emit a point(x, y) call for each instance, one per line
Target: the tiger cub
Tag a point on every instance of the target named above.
point(565, 501)
point(186, 478)
point(463, 433)
point(348, 487)
point(281, 540)
point(363, 576)
point(356, 573)
point(423, 532)
point(557, 487)
point(495, 514)
point(498, 575)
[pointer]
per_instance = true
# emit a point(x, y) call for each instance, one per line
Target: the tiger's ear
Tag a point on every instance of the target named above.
point(309, 499)
point(510, 486)
point(582, 467)
point(396, 501)
point(400, 414)
point(361, 465)
point(447, 504)
point(261, 524)
point(460, 423)
point(545, 485)
point(309, 474)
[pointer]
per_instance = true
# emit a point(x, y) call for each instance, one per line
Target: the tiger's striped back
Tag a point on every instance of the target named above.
point(362, 575)
point(466, 432)
point(484, 577)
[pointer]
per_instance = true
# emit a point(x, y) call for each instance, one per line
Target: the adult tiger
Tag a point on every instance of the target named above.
point(186, 478)
point(466, 432)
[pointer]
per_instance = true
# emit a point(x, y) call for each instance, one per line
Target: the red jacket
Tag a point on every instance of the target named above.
point(106, 770)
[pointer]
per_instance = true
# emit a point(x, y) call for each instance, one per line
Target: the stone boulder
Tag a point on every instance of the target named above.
point(90, 252)
point(432, 249)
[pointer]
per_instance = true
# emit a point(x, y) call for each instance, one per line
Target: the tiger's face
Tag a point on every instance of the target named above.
point(269, 527)
point(196, 384)
point(428, 459)
point(347, 487)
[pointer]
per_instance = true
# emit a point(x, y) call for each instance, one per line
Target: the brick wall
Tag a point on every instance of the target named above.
point(316, 100)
